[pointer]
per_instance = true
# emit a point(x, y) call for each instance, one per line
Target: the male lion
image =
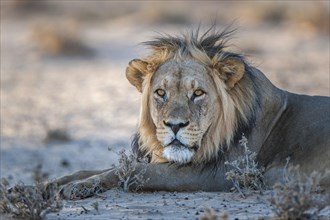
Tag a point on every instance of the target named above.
point(197, 101)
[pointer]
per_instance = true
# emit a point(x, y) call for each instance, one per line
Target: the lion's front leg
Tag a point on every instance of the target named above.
point(79, 175)
point(83, 184)
point(149, 177)
point(89, 187)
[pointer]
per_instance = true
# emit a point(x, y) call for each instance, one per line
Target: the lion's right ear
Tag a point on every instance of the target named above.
point(231, 70)
point(136, 71)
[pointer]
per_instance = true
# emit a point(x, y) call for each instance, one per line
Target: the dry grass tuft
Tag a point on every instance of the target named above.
point(95, 205)
point(32, 202)
point(57, 136)
point(126, 172)
point(38, 175)
point(245, 173)
point(299, 196)
point(59, 41)
point(212, 215)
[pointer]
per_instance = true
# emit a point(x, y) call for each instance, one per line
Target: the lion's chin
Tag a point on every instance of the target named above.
point(178, 154)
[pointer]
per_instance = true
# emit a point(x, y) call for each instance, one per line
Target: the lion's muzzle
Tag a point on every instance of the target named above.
point(179, 154)
point(179, 144)
point(175, 127)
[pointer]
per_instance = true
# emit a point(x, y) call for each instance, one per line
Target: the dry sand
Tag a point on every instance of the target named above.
point(85, 94)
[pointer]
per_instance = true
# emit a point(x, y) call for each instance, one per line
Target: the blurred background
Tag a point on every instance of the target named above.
point(65, 101)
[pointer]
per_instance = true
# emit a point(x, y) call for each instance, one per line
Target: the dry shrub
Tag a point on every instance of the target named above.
point(57, 136)
point(59, 41)
point(128, 177)
point(299, 196)
point(29, 6)
point(126, 172)
point(245, 173)
point(38, 175)
point(32, 202)
point(212, 215)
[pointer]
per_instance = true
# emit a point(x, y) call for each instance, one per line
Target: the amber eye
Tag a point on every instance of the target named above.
point(160, 92)
point(198, 92)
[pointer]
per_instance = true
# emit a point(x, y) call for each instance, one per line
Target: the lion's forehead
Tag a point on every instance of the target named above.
point(186, 74)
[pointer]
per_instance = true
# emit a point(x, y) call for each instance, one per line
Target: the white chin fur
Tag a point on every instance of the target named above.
point(176, 154)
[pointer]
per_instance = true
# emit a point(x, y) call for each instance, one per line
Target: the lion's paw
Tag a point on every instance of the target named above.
point(80, 190)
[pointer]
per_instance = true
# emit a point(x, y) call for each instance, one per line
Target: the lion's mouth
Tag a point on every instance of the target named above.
point(176, 143)
point(178, 152)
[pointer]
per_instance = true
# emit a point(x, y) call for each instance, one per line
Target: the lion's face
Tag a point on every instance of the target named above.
point(183, 104)
point(192, 101)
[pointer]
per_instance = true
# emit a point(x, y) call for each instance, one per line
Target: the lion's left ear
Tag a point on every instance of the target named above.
point(136, 71)
point(231, 71)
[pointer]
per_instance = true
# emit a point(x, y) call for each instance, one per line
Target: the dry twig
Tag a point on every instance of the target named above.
point(245, 173)
point(298, 196)
point(126, 172)
point(32, 202)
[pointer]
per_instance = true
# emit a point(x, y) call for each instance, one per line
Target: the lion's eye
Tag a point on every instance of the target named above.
point(198, 93)
point(160, 92)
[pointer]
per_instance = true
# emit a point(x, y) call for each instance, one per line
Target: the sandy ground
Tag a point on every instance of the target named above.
point(85, 94)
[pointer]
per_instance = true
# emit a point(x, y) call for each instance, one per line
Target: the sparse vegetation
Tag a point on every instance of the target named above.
point(38, 175)
point(32, 202)
point(95, 205)
point(212, 215)
point(245, 173)
point(125, 172)
point(299, 196)
point(57, 136)
point(59, 41)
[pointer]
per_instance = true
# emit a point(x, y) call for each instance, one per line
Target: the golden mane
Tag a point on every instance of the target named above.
point(237, 103)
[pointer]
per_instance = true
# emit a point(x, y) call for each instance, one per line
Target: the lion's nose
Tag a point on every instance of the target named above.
point(176, 126)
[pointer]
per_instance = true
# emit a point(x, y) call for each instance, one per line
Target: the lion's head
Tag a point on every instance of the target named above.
point(195, 97)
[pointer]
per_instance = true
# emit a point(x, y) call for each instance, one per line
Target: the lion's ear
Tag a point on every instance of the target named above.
point(231, 70)
point(136, 71)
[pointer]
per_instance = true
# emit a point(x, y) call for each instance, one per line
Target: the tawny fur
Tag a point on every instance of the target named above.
point(235, 95)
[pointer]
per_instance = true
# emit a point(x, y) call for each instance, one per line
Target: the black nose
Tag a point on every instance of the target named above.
point(176, 127)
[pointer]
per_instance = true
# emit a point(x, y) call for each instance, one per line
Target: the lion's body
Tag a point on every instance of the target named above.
point(301, 133)
point(287, 125)
point(290, 125)
point(197, 100)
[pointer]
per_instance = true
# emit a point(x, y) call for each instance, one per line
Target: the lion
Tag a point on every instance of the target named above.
point(197, 101)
